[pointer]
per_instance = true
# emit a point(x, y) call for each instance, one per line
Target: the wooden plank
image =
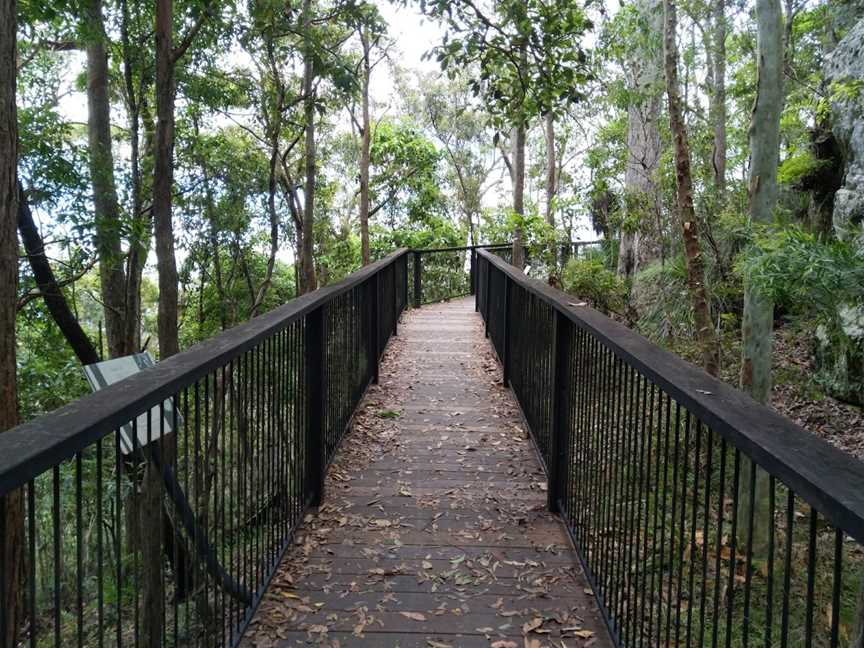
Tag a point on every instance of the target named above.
point(433, 531)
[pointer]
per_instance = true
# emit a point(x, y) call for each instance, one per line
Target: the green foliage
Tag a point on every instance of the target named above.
point(405, 181)
point(49, 375)
point(802, 273)
point(798, 166)
point(590, 280)
point(820, 283)
point(528, 54)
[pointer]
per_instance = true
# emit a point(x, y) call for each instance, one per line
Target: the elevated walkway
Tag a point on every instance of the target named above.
point(433, 530)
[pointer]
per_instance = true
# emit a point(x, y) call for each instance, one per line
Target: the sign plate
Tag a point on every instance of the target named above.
point(108, 372)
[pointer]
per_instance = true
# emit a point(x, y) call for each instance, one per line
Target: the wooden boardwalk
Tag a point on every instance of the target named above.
point(433, 532)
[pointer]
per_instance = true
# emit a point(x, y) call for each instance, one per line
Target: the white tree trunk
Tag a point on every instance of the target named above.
point(365, 146)
point(643, 146)
point(758, 319)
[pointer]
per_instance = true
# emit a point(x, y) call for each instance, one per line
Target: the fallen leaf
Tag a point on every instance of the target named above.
point(531, 625)
point(415, 616)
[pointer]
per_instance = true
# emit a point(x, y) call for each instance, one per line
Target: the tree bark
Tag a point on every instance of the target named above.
point(365, 146)
point(551, 170)
point(643, 149)
point(307, 253)
point(106, 207)
point(717, 108)
point(758, 319)
point(163, 182)
point(273, 215)
point(684, 193)
point(12, 505)
point(518, 193)
point(141, 226)
point(50, 289)
point(152, 584)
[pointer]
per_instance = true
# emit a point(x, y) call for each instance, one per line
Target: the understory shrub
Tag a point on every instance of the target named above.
point(822, 282)
point(591, 280)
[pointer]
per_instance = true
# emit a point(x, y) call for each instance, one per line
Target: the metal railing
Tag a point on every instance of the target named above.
point(649, 464)
point(175, 542)
point(439, 274)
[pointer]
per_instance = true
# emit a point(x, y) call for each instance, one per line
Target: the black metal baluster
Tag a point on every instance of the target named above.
point(31, 562)
point(748, 574)
point(314, 361)
point(787, 567)
point(55, 523)
point(709, 476)
point(118, 529)
point(721, 500)
point(79, 552)
point(100, 565)
point(610, 374)
point(650, 510)
point(619, 500)
point(634, 500)
point(682, 530)
point(811, 578)
point(672, 520)
point(663, 518)
point(769, 586)
point(837, 589)
point(733, 548)
point(697, 469)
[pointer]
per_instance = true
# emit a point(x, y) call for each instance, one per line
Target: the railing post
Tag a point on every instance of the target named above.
point(314, 360)
point(418, 285)
point(476, 282)
point(508, 289)
point(395, 299)
point(560, 428)
point(472, 277)
point(374, 320)
point(404, 286)
point(488, 291)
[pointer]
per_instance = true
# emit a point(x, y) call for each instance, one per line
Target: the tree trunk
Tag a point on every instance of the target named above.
point(518, 193)
point(163, 182)
point(139, 239)
point(643, 150)
point(152, 585)
point(273, 215)
point(307, 258)
point(12, 505)
point(758, 317)
point(213, 236)
point(55, 301)
point(551, 170)
point(365, 145)
point(684, 190)
point(106, 208)
point(717, 98)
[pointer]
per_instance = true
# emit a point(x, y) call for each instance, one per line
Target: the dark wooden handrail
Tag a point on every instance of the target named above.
point(33, 447)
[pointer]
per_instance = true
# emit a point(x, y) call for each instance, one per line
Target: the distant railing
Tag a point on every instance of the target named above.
point(649, 463)
point(440, 274)
point(175, 542)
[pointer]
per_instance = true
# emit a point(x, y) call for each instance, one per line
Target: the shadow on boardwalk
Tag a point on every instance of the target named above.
point(433, 532)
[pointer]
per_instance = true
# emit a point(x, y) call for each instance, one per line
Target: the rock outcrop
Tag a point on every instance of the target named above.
point(840, 351)
point(845, 75)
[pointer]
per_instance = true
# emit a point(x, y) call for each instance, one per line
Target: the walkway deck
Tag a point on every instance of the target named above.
point(433, 531)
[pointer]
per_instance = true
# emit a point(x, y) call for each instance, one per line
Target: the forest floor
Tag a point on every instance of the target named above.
point(434, 531)
point(795, 393)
